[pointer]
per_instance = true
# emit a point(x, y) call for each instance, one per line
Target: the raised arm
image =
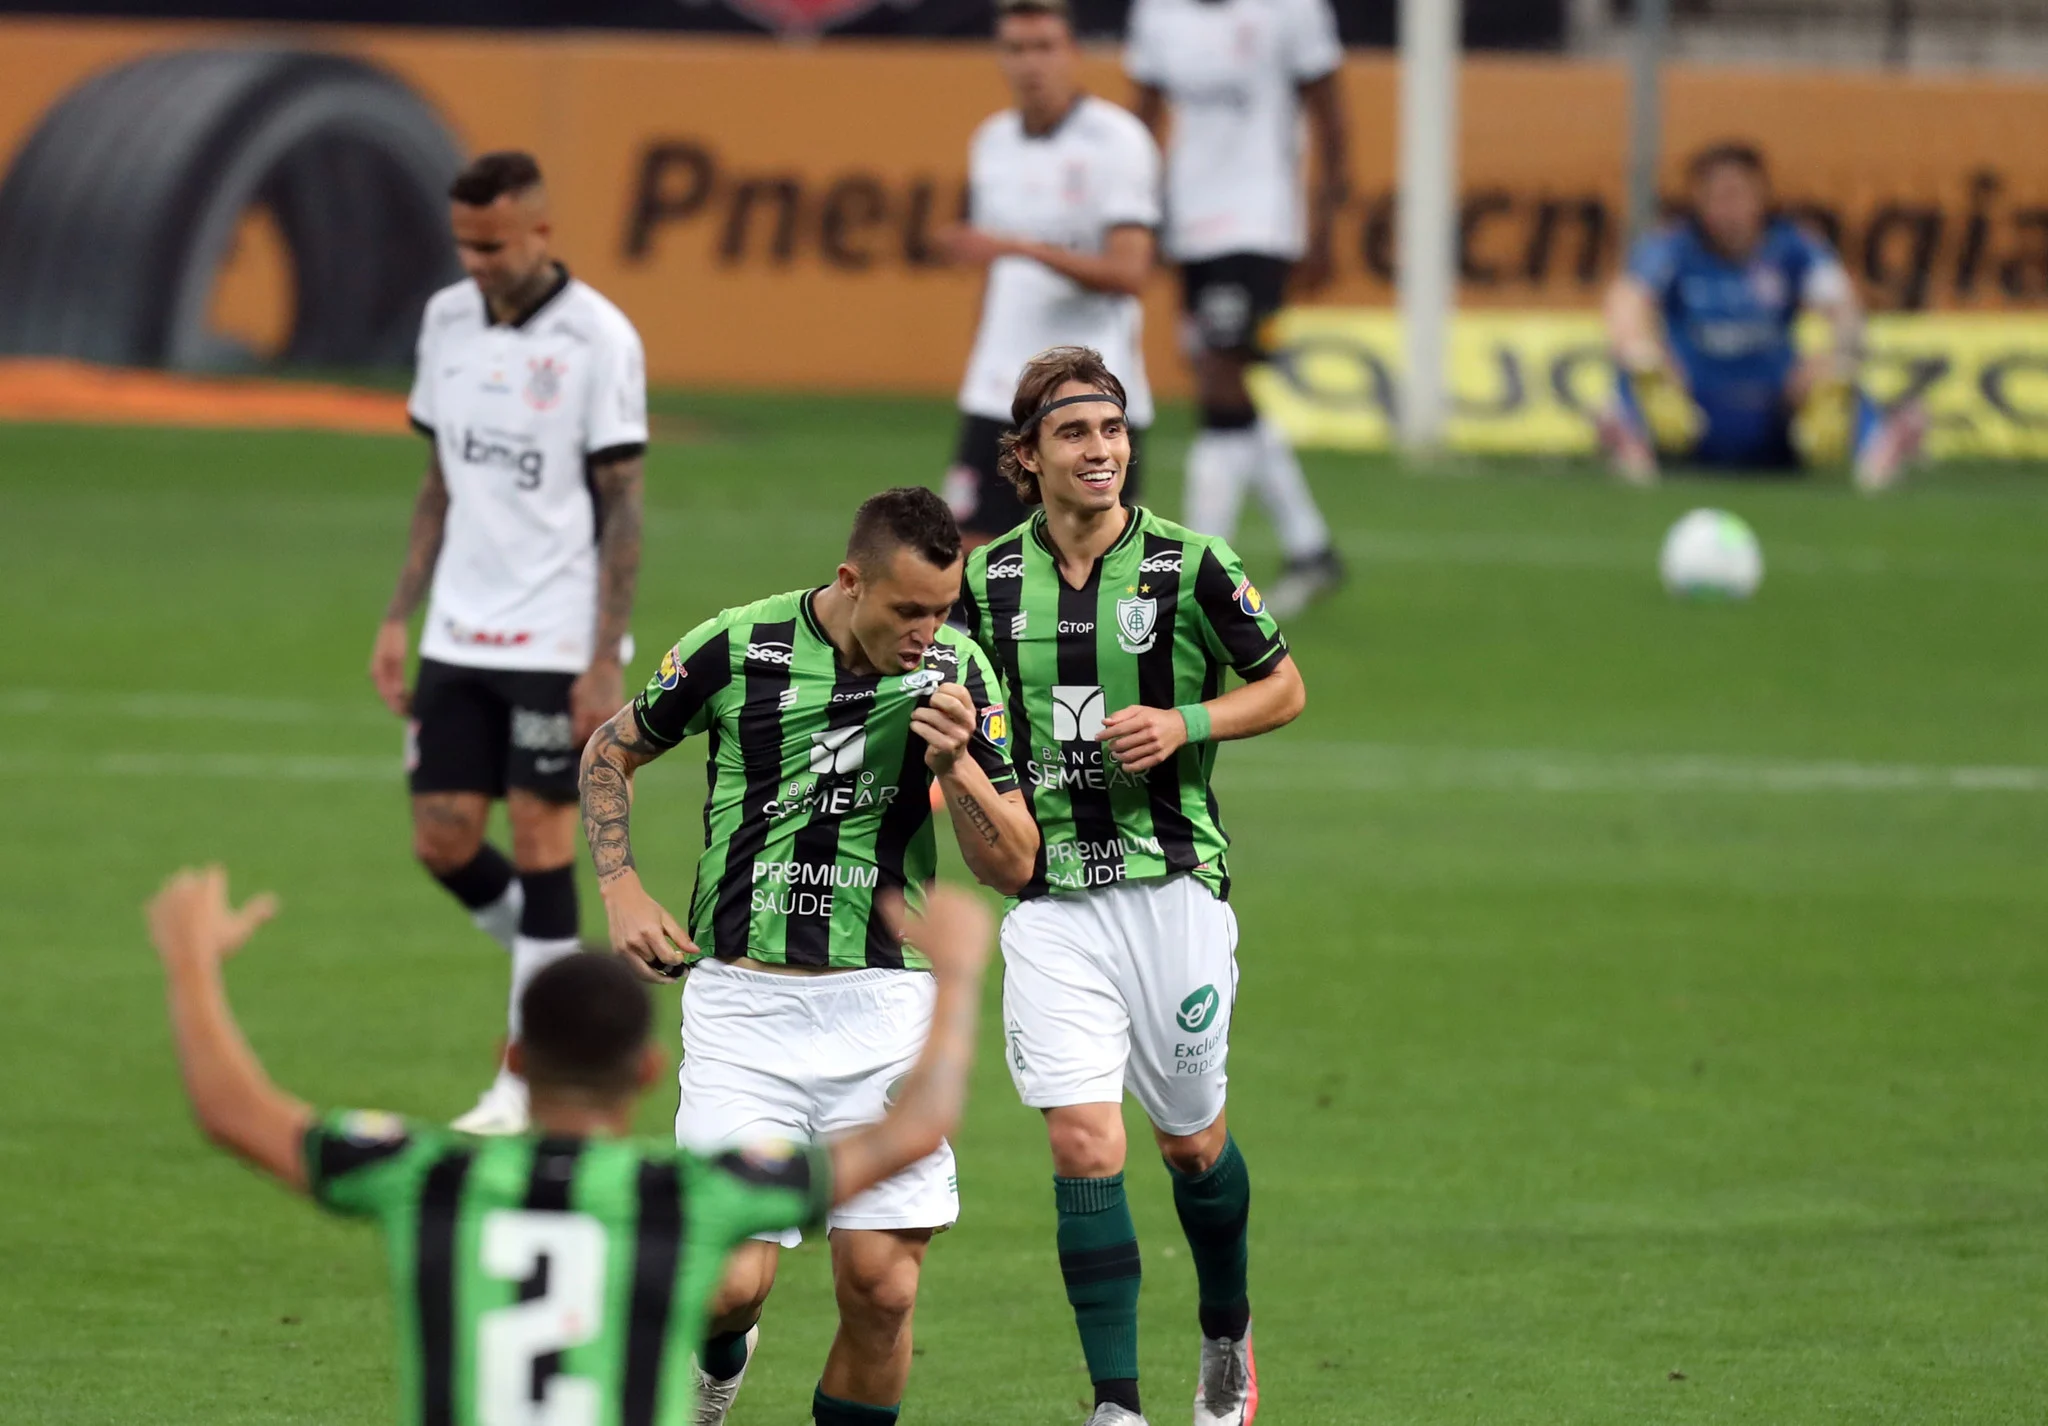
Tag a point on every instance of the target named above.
point(641, 930)
point(237, 1106)
point(618, 482)
point(1121, 268)
point(1634, 330)
point(954, 933)
point(422, 549)
point(998, 838)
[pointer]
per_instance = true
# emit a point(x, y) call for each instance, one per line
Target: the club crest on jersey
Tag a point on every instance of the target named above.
point(995, 725)
point(671, 671)
point(1248, 597)
point(544, 382)
point(371, 1126)
point(1137, 623)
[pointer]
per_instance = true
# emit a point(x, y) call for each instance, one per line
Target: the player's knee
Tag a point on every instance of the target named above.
point(749, 1277)
point(1191, 1154)
point(543, 832)
point(1220, 390)
point(445, 839)
point(1086, 1148)
point(879, 1290)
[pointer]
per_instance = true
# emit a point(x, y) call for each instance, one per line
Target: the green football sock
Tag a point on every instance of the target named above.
point(1214, 1207)
point(1099, 1260)
point(831, 1411)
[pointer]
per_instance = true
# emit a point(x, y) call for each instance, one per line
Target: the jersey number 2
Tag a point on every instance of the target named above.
point(568, 1314)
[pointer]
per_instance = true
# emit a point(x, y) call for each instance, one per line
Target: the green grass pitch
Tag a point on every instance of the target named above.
point(1643, 1004)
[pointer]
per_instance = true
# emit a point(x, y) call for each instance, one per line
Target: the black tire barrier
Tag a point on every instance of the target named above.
point(117, 213)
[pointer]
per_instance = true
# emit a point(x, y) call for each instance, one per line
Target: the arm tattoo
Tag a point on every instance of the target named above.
point(422, 543)
point(970, 806)
point(615, 750)
point(618, 549)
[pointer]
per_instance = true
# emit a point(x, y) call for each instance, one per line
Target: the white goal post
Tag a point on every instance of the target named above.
point(1428, 221)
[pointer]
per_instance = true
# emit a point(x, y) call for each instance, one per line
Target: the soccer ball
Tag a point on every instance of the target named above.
point(1711, 554)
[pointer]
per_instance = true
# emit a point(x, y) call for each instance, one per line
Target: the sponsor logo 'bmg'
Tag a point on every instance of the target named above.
point(481, 450)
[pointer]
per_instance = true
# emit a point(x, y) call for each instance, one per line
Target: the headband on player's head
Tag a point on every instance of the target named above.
point(1051, 406)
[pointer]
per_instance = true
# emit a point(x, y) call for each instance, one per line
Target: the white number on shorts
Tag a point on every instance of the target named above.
point(568, 1314)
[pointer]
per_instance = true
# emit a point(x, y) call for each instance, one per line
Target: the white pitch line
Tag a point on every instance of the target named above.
point(1288, 768)
point(190, 707)
point(1371, 767)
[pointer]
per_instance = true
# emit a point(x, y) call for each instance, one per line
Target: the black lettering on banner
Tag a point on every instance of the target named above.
point(853, 205)
point(1474, 213)
point(1552, 215)
point(1373, 391)
point(1567, 369)
point(1994, 381)
point(1984, 187)
point(675, 182)
point(1513, 393)
point(918, 248)
point(1923, 374)
point(1819, 219)
point(783, 190)
point(1922, 229)
point(2024, 275)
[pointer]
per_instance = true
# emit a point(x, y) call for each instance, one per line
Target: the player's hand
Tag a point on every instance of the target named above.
point(645, 934)
point(946, 724)
point(597, 693)
point(192, 923)
point(387, 666)
point(965, 246)
point(1814, 372)
point(1141, 738)
point(954, 931)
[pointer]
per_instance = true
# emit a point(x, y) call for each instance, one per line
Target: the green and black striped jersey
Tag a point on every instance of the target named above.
point(1164, 612)
point(541, 1279)
point(818, 791)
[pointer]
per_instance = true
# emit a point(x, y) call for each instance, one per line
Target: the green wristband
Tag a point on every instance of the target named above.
point(1196, 716)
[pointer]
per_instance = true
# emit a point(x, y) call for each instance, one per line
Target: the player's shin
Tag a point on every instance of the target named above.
point(1099, 1259)
point(488, 889)
point(1214, 1208)
point(1222, 463)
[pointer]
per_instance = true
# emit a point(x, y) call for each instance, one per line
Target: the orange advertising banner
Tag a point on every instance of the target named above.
point(765, 212)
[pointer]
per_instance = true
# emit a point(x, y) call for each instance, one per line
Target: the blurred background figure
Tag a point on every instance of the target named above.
point(1063, 194)
point(1703, 323)
point(1237, 76)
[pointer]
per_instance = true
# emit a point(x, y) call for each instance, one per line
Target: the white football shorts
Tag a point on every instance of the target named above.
point(769, 1056)
point(1129, 986)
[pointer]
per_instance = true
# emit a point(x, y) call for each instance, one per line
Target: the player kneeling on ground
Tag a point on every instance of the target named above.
point(1120, 960)
point(562, 1274)
point(831, 711)
point(1702, 329)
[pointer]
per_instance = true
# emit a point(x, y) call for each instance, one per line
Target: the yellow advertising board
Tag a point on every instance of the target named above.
point(765, 212)
point(1533, 382)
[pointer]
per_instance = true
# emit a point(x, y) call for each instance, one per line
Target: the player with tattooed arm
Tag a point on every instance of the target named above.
point(829, 712)
point(532, 390)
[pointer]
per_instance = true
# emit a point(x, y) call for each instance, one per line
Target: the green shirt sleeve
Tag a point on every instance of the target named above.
point(362, 1162)
point(677, 700)
point(768, 1187)
point(990, 745)
point(1236, 629)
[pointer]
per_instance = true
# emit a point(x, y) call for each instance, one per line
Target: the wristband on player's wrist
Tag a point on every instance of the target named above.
point(1196, 716)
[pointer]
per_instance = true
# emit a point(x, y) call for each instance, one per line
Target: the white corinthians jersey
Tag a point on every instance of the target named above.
point(1232, 70)
point(1098, 170)
point(516, 412)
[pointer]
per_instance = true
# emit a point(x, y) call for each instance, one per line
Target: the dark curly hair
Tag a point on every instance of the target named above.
point(909, 516)
point(1043, 375)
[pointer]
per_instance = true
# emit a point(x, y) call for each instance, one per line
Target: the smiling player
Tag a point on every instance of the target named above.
point(1113, 630)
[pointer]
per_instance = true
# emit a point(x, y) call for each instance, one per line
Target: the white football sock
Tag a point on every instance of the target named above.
point(500, 919)
point(1284, 490)
point(1220, 465)
point(529, 958)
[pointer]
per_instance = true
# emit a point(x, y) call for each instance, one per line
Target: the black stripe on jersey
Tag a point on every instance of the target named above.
point(664, 717)
point(760, 733)
point(900, 822)
point(657, 1247)
point(1005, 602)
point(434, 1284)
point(547, 1191)
point(992, 760)
point(1094, 816)
point(807, 936)
point(710, 800)
point(1171, 825)
point(1253, 652)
